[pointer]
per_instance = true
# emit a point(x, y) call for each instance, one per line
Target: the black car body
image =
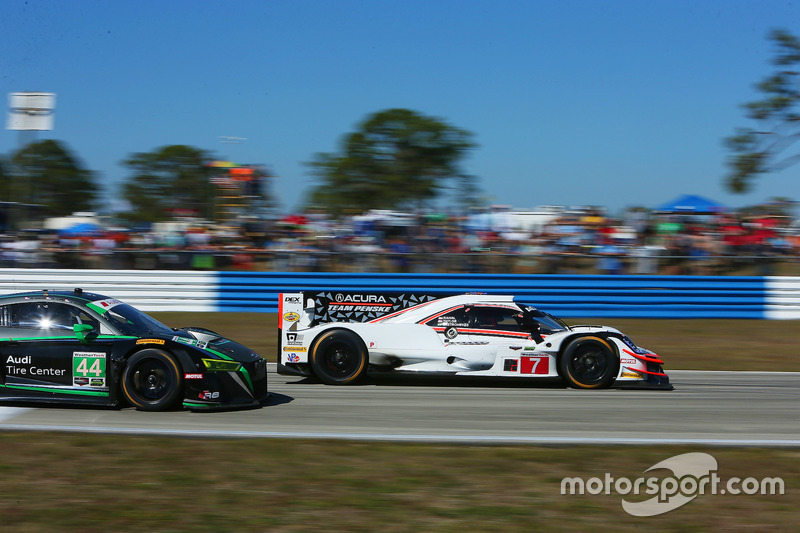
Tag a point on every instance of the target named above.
point(83, 348)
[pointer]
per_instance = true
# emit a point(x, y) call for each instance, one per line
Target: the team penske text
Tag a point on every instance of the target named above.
point(334, 307)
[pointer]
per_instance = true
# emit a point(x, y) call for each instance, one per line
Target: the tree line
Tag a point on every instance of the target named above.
point(397, 158)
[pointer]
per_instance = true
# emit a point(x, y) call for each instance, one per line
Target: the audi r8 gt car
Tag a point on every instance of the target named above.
point(337, 338)
point(78, 347)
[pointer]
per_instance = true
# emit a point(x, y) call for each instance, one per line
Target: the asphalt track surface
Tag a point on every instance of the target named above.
point(709, 408)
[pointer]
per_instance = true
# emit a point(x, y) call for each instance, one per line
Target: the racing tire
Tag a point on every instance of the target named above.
point(152, 381)
point(589, 363)
point(338, 357)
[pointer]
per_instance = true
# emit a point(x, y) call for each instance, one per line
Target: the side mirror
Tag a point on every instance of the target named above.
point(84, 332)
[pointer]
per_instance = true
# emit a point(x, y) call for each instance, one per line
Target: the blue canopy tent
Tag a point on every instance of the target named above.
point(691, 204)
point(83, 229)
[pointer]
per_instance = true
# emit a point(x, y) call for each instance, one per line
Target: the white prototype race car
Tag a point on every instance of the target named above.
point(338, 337)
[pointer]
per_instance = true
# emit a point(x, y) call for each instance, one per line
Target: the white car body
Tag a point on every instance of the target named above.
point(464, 335)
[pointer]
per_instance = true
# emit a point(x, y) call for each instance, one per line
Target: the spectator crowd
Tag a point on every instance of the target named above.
point(555, 241)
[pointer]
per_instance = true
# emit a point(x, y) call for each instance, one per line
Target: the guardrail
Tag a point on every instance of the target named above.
point(751, 297)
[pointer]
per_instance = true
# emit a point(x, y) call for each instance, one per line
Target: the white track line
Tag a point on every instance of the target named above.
point(419, 438)
point(7, 413)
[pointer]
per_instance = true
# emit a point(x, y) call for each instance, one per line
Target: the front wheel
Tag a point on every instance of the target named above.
point(339, 357)
point(151, 381)
point(589, 363)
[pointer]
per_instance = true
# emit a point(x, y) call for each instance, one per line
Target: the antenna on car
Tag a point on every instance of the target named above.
point(78, 291)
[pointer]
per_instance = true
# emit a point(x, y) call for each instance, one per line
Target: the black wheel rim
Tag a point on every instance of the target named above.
point(340, 361)
point(152, 380)
point(589, 365)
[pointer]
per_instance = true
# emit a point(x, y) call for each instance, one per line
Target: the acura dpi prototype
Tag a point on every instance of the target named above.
point(339, 337)
point(77, 347)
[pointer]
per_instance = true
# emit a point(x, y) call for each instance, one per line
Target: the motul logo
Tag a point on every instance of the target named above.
point(361, 298)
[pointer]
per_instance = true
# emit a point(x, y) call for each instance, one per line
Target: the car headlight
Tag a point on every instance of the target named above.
point(220, 365)
point(636, 349)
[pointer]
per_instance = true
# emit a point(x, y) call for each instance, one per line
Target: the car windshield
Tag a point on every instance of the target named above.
point(130, 321)
point(548, 324)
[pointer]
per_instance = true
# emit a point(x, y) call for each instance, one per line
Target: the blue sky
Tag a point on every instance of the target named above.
point(614, 102)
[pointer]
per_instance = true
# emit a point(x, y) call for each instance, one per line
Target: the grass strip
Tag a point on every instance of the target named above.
point(79, 482)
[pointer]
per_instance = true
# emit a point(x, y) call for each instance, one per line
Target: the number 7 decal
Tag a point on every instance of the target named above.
point(534, 364)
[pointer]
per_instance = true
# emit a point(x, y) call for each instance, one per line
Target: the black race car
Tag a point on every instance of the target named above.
point(78, 347)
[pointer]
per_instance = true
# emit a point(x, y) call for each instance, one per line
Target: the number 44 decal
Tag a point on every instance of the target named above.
point(89, 364)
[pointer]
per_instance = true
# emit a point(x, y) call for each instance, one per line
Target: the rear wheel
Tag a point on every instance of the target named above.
point(589, 363)
point(151, 381)
point(339, 357)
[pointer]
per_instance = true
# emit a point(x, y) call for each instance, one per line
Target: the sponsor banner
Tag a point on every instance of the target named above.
point(294, 339)
point(191, 342)
point(102, 306)
point(291, 317)
point(333, 306)
point(150, 341)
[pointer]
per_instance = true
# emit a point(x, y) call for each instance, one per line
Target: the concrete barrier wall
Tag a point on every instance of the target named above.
point(783, 298)
point(563, 295)
point(148, 290)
